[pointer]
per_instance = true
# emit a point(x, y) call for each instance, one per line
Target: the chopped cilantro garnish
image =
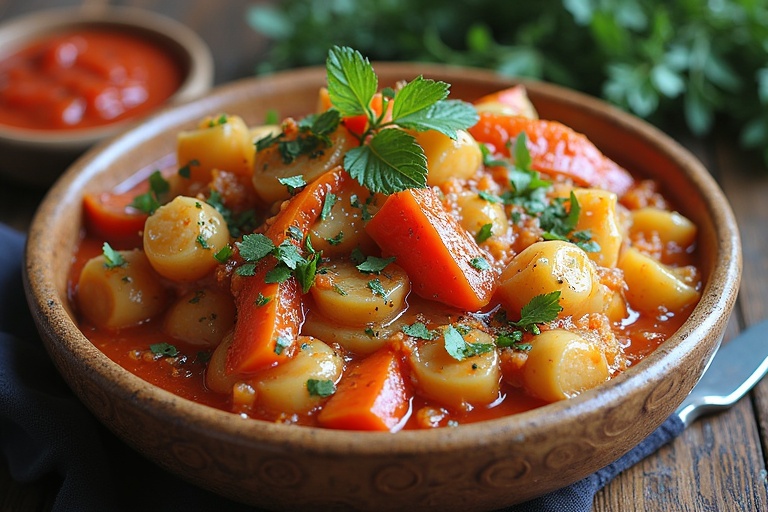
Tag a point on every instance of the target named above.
point(151, 200)
point(293, 183)
point(338, 289)
point(336, 240)
point(281, 344)
point(254, 247)
point(164, 349)
point(223, 254)
point(540, 309)
point(328, 202)
point(487, 196)
point(199, 294)
point(458, 348)
point(261, 300)
point(374, 265)
point(238, 224)
point(377, 288)
point(321, 388)
point(203, 242)
point(480, 263)
point(418, 330)
point(185, 171)
point(484, 233)
point(112, 258)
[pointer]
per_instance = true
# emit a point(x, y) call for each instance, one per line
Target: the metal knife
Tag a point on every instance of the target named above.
point(735, 369)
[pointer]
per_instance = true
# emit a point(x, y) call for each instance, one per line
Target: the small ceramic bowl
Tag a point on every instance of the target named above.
point(38, 157)
point(479, 466)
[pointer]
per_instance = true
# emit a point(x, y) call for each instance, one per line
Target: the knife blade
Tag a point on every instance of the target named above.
point(735, 369)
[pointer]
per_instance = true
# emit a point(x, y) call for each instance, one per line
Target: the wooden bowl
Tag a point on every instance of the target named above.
point(38, 157)
point(472, 467)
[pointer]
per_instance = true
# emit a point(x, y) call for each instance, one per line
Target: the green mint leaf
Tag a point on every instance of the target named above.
point(484, 234)
point(254, 247)
point(418, 330)
point(164, 349)
point(351, 81)
point(391, 162)
point(112, 258)
point(540, 309)
point(321, 388)
point(445, 116)
point(416, 96)
point(374, 265)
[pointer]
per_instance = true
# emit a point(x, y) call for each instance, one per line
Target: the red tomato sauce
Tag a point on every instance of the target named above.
point(85, 79)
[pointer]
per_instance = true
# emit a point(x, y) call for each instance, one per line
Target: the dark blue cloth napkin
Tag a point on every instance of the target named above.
point(45, 432)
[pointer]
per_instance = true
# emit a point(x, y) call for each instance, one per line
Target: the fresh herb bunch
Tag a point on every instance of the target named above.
point(389, 161)
point(697, 62)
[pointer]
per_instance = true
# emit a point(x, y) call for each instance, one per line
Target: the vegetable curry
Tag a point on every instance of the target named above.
point(396, 259)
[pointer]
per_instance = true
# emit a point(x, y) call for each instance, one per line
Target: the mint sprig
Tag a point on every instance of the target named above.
point(390, 161)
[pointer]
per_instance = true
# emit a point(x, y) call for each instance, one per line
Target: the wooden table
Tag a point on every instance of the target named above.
point(717, 464)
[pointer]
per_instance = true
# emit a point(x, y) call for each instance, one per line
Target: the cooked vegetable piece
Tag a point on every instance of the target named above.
point(512, 101)
point(222, 142)
point(598, 219)
point(458, 384)
point(561, 364)
point(433, 248)
point(549, 266)
point(372, 395)
point(361, 340)
point(283, 388)
point(351, 297)
point(200, 317)
point(270, 165)
point(448, 158)
point(555, 149)
point(182, 236)
point(217, 377)
point(671, 227)
point(264, 330)
point(476, 212)
point(114, 295)
point(653, 286)
point(109, 217)
point(269, 318)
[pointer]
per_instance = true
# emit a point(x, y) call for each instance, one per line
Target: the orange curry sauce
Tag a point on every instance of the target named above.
point(184, 375)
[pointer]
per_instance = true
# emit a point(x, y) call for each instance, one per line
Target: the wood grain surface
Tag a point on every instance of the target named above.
point(717, 464)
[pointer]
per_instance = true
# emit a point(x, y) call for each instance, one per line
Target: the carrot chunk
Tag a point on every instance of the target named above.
point(109, 217)
point(372, 396)
point(555, 149)
point(269, 317)
point(442, 259)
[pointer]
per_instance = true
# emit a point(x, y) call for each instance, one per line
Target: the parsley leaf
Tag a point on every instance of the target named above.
point(377, 288)
point(374, 265)
point(540, 309)
point(418, 330)
point(484, 233)
point(151, 201)
point(164, 349)
point(445, 116)
point(293, 183)
point(255, 246)
point(328, 202)
point(458, 348)
point(480, 263)
point(321, 388)
point(112, 258)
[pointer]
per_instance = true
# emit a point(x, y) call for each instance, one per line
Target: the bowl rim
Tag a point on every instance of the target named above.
point(17, 32)
point(312, 440)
